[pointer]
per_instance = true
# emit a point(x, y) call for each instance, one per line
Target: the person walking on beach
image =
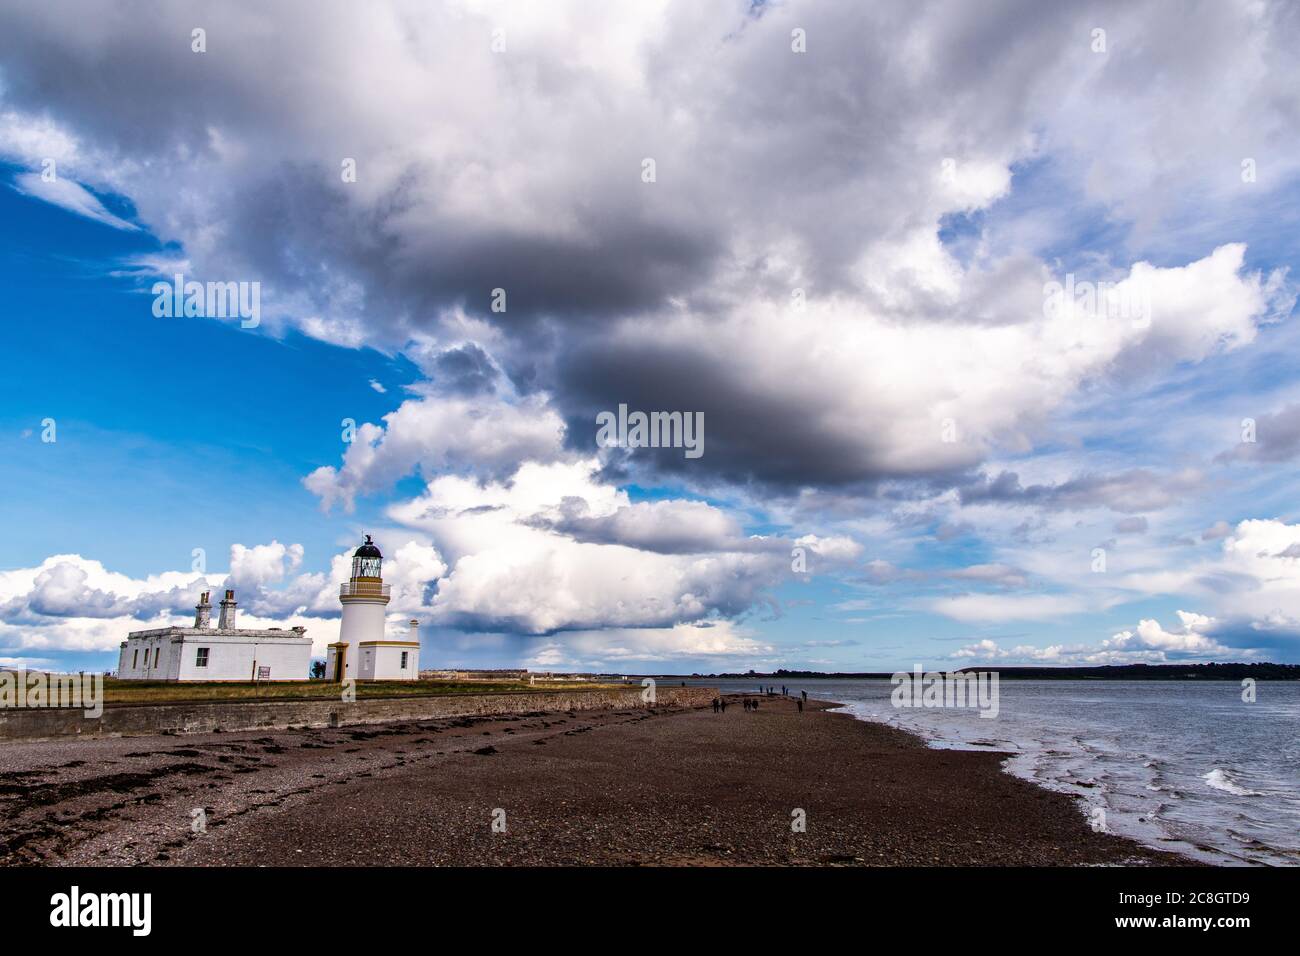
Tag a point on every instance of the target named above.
point(724, 705)
point(756, 705)
point(715, 705)
point(805, 696)
point(799, 701)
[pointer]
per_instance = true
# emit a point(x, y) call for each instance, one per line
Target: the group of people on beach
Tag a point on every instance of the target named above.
point(751, 703)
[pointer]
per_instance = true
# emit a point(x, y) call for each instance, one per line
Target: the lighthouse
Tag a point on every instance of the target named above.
point(361, 653)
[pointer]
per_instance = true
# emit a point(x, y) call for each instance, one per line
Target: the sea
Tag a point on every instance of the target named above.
point(1187, 766)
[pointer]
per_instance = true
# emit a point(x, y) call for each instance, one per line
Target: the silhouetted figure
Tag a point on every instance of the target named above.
point(724, 705)
point(756, 705)
point(805, 696)
point(799, 701)
point(715, 705)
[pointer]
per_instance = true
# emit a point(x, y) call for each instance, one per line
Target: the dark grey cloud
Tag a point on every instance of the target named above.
point(753, 433)
point(1217, 531)
point(1277, 439)
point(665, 527)
point(1227, 582)
point(1137, 489)
point(1281, 637)
point(464, 370)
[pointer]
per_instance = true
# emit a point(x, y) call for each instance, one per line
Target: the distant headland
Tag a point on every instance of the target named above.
point(1212, 671)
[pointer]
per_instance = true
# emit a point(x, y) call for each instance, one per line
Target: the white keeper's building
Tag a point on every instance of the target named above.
point(230, 653)
point(221, 653)
point(361, 652)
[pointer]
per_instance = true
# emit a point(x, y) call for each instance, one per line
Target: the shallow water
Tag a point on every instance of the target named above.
point(1180, 765)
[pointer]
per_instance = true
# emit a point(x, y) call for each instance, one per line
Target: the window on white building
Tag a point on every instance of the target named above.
point(404, 653)
point(201, 660)
point(135, 659)
point(157, 653)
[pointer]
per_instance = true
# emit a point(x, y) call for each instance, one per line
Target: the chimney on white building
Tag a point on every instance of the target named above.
point(415, 631)
point(227, 620)
point(203, 610)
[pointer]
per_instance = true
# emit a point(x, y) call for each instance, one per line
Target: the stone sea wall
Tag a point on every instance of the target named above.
point(210, 716)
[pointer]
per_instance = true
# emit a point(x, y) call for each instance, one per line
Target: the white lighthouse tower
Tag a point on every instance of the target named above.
point(361, 653)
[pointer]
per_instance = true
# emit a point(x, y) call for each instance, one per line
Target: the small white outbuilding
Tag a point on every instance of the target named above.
point(391, 660)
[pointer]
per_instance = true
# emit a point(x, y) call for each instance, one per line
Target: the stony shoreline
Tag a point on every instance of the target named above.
point(666, 786)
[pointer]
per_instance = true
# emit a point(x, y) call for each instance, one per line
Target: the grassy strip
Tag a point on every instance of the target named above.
point(154, 692)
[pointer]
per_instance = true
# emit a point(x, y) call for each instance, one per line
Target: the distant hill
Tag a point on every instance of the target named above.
point(1233, 672)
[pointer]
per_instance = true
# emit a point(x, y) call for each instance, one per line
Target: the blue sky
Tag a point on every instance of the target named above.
point(159, 451)
point(829, 524)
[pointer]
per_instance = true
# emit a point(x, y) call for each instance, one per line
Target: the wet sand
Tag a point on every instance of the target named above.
point(630, 787)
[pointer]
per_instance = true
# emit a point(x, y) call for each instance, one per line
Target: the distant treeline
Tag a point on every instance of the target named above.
point(1232, 672)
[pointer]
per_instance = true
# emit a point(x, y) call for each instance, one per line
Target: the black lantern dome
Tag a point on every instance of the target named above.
point(367, 561)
